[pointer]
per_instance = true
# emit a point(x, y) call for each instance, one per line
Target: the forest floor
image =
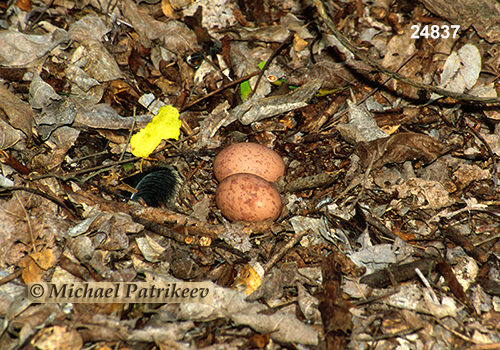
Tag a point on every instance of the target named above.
point(385, 114)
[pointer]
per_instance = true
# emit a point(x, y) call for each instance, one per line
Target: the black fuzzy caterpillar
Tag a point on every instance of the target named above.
point(157, 186)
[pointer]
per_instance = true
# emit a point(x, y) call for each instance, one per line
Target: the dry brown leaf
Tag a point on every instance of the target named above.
point(425, 194)
point(44, 259)
point(247, 281)
point(24, 5)
point(36, 264)
point(173, 35)
point(57, 338)
point(167, 9)
point(8, 135)
point(390, 129)
point(12, 229)
point(332, 75)
point(19, 113)
point(482, 15)
point(399, 148)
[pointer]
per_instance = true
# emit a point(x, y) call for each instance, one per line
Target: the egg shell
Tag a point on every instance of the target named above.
point(247, 197)
point(249, 158)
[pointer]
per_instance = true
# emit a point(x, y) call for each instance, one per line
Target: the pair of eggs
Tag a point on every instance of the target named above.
point(245, 172)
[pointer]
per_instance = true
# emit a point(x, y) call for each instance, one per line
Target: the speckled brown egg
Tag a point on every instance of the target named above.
point(247, 197)
point(249, 158)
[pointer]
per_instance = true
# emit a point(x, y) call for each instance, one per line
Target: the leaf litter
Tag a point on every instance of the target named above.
point(389, 233)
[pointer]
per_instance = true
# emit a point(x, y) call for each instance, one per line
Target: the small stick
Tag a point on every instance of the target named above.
point(490, 152)
point(268, 62)
point(274, 259)
point(231, 84)
point(12, 276)
point(129, 135)
point(44, 195)
point(367, 95)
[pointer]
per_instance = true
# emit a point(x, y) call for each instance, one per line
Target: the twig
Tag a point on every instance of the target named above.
point(427, 285)
point(460, 335)
point(363, 184)
point(190, 225)
point(12, 276)
point(129, 135)
point(6, 158)
point(397, 334)
point(167, 232)
point(43, 194)
point(215, 92)
point(30, 26)
point(392, 74)
point(454, 236)
point(268, 62)
point(68, 176)
point(489, 346)
point(8, 5)
point(490, 152)
point(373, 221)
point(366, 96)
point(28, 222)
point(487, 240)
point(284, 249)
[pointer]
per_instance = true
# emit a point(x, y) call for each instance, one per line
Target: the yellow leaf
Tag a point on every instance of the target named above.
point(45, 259)
point(167, 9)
point(390, 129)
point(36, 265)
point(24, 5)
point(165, 125)
point(247, 281)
